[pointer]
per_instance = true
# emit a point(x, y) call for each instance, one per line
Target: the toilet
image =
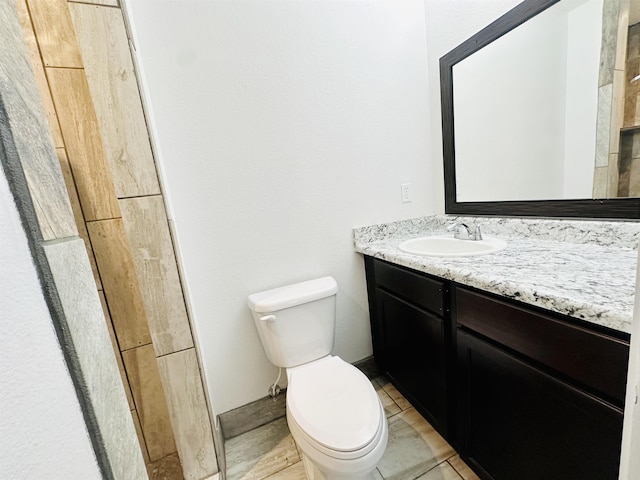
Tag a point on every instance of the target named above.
point(333, 411)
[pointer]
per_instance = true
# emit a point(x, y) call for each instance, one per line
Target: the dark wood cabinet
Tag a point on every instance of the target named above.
point(519, 422)
point(590, 359)
point(414, 353)
point(410, 336)
point(521, 392)
point(539, 396)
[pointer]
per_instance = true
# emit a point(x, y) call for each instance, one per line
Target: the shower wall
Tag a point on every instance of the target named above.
point(629, 184)
point(81, 59)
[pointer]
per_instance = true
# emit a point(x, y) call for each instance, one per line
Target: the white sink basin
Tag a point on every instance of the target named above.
point(446, 246)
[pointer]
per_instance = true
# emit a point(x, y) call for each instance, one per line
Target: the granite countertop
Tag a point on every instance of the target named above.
point(583, 269)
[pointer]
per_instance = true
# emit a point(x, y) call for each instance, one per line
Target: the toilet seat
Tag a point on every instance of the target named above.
point(334, 407)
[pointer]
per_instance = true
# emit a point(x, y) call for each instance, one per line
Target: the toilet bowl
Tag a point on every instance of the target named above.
point(337, 420)
point(334, 414)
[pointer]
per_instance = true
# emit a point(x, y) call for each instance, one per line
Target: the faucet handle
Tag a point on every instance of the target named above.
point(460, 230)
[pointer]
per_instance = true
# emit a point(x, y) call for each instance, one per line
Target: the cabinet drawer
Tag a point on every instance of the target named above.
point(592, 359)
point(410, 286)
point(413, 287)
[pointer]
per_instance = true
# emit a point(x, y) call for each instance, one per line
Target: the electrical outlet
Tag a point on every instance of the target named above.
point(405, 189)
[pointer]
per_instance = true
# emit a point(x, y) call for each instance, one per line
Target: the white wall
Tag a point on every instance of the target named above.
point(583, 66)
point(279, 127)
point(42, 431)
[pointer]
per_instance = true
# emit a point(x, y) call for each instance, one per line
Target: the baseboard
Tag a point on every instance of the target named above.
point(369, 367)
point(253, 415)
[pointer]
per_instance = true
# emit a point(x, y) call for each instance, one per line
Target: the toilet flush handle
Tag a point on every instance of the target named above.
point(268, 318)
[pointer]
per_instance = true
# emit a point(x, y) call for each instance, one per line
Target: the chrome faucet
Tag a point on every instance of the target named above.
point(462, 231)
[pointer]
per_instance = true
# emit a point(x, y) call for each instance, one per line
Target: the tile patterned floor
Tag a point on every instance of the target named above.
point(415, 450)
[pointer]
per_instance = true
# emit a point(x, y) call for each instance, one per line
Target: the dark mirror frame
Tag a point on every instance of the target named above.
point(613, 208)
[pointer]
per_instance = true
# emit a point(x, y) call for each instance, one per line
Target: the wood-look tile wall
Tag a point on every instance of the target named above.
point(632, 93)
point(629, 160)
point(114, 90)
point(615, 24)
point(83, 67)
point(34, 168)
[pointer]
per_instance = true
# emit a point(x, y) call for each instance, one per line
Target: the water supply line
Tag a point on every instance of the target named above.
point(274, 389)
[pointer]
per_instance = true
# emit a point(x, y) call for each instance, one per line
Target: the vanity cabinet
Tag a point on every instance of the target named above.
point(520, 392)
point(410, 337)
point(538, 397)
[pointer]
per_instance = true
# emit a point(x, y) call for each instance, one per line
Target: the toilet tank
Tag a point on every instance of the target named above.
point(296, 323)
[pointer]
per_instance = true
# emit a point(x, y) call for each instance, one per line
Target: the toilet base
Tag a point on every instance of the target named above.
point(320, 467)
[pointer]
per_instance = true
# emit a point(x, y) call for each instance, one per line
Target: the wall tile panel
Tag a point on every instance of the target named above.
point(114, 89)
point(38, 70)
point(114, 342)
point(147, 229)
point(143, 444)
point(84, 316)
point(608, 53)
point(54, 30)
point(167, 468)
point(77, 211)
point(146, 386)
point(25, 132)
point(119, 282)
point(189, 415)
point(81, 134)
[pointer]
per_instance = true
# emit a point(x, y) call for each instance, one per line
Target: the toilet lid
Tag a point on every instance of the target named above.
point(334, 403)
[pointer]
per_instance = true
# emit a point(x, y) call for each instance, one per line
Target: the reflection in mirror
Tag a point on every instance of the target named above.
point(628, 184)
point(616, 174)
point(538, 86)
point(540, 113)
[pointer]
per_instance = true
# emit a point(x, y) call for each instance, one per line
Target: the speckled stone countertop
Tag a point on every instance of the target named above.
point(585, 269)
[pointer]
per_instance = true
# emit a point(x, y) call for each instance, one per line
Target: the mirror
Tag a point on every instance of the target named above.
point(530, 122)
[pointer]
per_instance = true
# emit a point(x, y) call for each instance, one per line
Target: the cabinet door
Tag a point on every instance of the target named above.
point(517, 422)
point(413, 345)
